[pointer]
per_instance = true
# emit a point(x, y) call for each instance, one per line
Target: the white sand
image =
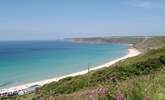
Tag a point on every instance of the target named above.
point(132, 52)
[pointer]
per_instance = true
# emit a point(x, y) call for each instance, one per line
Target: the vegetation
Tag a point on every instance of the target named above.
point(150, 43)
point(141, 43)
point(137, 66)
point(137, 78)
point(148, 87)
point(114, 39)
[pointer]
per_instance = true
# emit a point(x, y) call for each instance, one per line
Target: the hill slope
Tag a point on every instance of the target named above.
point(150, 43)
point(133, 78)
point(135, 67)
point(141, 43)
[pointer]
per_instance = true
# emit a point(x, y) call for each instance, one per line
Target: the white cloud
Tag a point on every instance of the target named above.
point(152, 4)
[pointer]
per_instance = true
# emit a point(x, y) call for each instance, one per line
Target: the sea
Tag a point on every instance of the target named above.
point(23, 62)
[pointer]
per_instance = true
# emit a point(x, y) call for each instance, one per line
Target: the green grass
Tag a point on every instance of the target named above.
point(134, 78)
point(150, 86)
point(141, 43)
point(114, 39)
point(146, 64)
point(150, 43)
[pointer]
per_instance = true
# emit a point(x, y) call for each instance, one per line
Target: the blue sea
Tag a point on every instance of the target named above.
point(24, 62)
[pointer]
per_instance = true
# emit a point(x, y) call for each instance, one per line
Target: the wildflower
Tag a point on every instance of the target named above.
point(119, 96)
point(146, 97)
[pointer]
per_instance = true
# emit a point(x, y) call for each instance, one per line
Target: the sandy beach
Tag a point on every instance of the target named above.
point(131, 52)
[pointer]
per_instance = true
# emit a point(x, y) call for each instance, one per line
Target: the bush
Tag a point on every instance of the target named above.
point(126, 70)
point(162, 59)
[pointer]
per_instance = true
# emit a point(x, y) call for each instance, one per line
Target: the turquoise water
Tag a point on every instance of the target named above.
point(29, 61)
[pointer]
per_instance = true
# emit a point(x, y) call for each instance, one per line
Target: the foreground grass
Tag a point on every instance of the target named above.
point(137, 66)
point(132, 68)
point(135, 78)
point(147, 87)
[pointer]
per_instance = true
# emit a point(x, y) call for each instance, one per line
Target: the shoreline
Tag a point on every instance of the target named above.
point(23, 88)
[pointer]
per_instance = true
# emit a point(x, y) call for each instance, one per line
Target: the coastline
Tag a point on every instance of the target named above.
point(23, 88)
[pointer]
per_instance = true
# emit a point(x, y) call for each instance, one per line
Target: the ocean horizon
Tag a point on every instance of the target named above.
point(23, 62)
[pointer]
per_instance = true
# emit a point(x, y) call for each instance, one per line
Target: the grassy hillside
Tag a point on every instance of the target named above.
point(141, 43)
point(137, 78)
point(148, 87)
point(117, 39)
point(150, 43)
point(125, 79)
point(130, 68)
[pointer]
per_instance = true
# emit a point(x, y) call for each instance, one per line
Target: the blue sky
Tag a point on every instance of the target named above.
point(52, 19)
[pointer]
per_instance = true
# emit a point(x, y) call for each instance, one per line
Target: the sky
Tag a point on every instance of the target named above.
point(56, 19)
